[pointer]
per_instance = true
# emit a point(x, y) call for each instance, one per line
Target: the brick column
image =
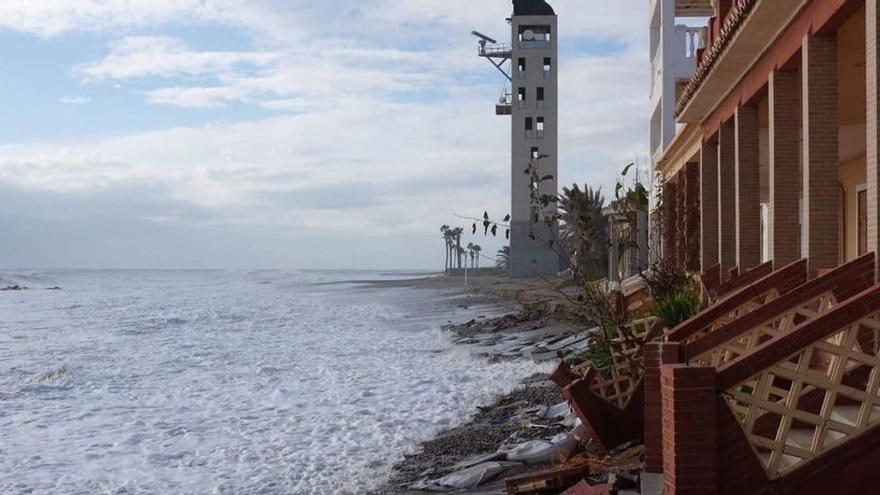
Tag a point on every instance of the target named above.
point(708, 205)
point(690, 429)
point(872, 68)
point(656, 355)
point(785, 177)
point(820, 151)
point(727, 198)
point(681, 222)
point(670, 237)
point(692, 218)
point(748, 188)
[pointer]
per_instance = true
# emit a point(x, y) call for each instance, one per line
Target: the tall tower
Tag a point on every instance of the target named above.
point(533, 107)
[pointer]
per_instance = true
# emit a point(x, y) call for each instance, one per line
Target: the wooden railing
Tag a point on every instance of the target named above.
point(738, 279)
point(741, 303)
point(798, 306)
point(811, 389)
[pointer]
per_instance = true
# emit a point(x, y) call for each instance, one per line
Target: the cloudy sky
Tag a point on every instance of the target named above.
point(283, 133)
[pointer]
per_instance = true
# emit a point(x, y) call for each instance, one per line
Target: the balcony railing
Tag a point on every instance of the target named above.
point(495, 51)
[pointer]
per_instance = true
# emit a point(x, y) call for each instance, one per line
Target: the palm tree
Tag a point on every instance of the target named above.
point(456, 235)
point(472, 253)
point(502, 258)
point(477, 250)
point(444, 231)
point(584, 229)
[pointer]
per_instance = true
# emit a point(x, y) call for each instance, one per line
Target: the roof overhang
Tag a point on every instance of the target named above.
point(680, 151)
point(756, 33)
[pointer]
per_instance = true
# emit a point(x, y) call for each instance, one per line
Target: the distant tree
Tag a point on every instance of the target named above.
point(456, 236)
point(502, 258)
point(444, 231)
point(477, 250)
point(470, 253)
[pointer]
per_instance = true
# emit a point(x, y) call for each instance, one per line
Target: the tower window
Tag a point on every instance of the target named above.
point(530, 124)
point(540, 94)
point(540, 124)
point(521, 94)
point(548, 64)
point(522, 64)
point(535, 152)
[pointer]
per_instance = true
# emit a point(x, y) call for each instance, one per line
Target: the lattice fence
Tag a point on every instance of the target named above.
point(766, 330)
point(618, 382)
point(814, 401)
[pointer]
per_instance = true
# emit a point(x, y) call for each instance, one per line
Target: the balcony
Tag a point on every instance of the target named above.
point(495, 51)
point(503, 107)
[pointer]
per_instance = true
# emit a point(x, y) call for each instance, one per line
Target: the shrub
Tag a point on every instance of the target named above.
point(677, 307)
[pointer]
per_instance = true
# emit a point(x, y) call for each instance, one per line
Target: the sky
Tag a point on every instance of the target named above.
point(248, 134)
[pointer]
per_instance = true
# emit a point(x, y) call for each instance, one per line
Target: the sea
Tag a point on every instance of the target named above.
point(228, 382)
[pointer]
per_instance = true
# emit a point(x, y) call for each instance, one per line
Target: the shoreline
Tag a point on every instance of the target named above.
point(537, 325)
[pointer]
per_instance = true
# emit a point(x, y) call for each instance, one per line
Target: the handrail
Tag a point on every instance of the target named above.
point(806, 301)
point(811, 389)
point(792, 342)
point(739, 280)
point(736, 305)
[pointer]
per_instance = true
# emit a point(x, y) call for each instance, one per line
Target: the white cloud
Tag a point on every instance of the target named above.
point(142, 56)
point(74, 100)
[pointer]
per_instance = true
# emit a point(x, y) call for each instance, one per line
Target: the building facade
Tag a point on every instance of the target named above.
point(775, 157)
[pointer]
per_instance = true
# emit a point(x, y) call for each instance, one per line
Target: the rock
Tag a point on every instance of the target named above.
point(13, 288)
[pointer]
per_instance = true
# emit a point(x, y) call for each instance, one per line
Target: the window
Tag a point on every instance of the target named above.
point(535, 152)
point(540, 94)
point(529, 124)
point(521, 94)
point(540, 124)
point(534, 37)
point(548, 64)
point(522, 64)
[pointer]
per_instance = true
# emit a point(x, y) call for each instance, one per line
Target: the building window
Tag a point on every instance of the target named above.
point(535, 152)
point(534, 37)
point(529, 124)
point(540, 127)
point(548, 67)
point(541, 97)
point(522, 64)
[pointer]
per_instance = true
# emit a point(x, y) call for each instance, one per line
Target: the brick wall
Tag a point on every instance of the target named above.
point(656, 355)
point(690, 464)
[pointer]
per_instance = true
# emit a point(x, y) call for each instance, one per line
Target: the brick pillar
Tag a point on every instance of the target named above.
point(821, 170)
point(708, 205)
point(656, 355)
point(692, 218)
point(670, 237)
point(727, 198)
point(748, 188)
point(690, 429)
point(681, 222)
point(872, 68)
point(785, 177)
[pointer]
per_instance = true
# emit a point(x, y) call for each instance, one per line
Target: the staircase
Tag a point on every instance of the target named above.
point(782, 399)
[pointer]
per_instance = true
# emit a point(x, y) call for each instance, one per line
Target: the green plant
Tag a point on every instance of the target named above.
point(677, 307)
